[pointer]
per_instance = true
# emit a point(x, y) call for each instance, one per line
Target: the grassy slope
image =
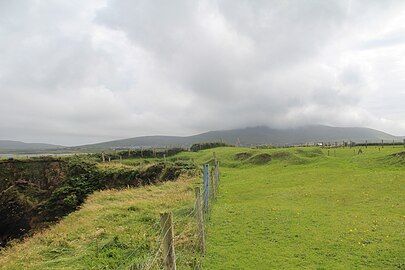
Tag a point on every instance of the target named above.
point(342, 212)
point(113, 230)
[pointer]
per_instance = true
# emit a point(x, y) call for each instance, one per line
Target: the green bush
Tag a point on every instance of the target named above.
point(208, 145)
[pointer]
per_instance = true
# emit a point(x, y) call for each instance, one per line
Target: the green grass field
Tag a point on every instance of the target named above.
point(308, 210)
point(284, 208)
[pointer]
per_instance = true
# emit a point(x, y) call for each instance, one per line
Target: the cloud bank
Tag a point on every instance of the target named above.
point(75, 72)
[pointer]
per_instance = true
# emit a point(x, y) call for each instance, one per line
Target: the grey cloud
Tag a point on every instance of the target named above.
point(75, 72)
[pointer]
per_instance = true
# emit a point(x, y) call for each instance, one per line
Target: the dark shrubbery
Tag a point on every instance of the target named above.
point(139, 153)
point(15, 214)
point(82, 179)
point(201, 146)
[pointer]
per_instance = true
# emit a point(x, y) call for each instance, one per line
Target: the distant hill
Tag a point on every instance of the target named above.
point(246, 137)
point(10, 146)
point(254, 136)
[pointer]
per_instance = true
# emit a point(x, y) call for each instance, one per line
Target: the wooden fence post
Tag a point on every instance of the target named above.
point(200, 220)
point(216, 174)
point(212, 183)
point(206, 178)
point(169, 258)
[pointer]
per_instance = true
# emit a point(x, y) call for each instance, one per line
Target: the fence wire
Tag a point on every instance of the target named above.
point(154, 260)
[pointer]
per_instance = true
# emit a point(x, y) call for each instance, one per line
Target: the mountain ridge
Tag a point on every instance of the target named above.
point(255, 136)
point(19, 145)
point(243, 136)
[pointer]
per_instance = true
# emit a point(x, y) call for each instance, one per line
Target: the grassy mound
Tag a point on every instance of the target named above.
point(243, 156)
point(310, 153)
point(260, 159)
point(282, 155)
point(397, 159)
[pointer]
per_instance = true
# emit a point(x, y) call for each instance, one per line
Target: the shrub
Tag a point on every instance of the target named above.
point(201, 146)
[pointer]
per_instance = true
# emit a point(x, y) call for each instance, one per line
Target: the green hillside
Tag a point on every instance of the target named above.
point(281, 208)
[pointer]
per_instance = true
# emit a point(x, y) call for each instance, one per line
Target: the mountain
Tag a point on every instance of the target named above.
point(256, 135)
point(8, 146)
point(246, 136)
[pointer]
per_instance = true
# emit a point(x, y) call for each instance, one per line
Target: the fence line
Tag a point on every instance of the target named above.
point(164, 255)
point(203, 201)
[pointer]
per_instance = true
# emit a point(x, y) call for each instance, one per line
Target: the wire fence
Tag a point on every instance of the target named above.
point(192, 234)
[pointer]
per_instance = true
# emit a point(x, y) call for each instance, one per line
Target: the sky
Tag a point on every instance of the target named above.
point(76, 72)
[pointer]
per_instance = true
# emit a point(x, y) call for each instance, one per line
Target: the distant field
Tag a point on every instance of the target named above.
point(284, 208)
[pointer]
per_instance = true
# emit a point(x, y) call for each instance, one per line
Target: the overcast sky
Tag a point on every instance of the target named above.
point(74, 72)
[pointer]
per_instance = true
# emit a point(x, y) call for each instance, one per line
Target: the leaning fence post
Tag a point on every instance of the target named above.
point(200, 220)
point(169, 258)
point(206, 178)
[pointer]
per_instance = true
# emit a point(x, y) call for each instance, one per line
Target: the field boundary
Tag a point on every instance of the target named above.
point(164, 256)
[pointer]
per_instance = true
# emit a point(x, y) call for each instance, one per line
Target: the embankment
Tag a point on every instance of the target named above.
point(38, 191)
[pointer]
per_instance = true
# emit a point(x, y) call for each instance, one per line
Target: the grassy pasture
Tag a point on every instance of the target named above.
point(304, 209)
point(283, 208)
